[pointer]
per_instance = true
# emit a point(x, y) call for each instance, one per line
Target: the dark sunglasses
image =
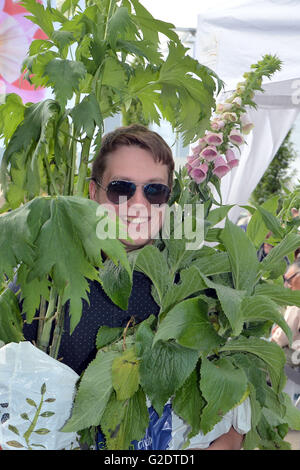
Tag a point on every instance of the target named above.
point(288, 279)
point(155, 193)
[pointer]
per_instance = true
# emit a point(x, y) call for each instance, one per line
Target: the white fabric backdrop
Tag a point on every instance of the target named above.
point(229, 41)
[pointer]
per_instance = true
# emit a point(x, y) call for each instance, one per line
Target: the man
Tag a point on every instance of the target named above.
point(132, 177)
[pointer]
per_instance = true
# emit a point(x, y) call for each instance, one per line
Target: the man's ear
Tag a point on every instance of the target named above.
point(93, 190)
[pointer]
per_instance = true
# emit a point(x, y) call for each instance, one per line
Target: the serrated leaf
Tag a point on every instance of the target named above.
point(93, 393)
point(242, 256)
point(188, 403)
point(123, 422)
point(31, 292)
point(231, 301)
point(118, 24)
point(262, 308)
point(190, 283)
point(289, 244)
point(269, 352)
point(116, 283)
point(188, 323)
point(87, 115)
point(222, 386)
point(125, 374)
point(113, 74)
point(256, 228)
point(163, 367)
point(64, 76)
point(11, 323)
point(107, 335)
point(152, 263)
point(279, 294)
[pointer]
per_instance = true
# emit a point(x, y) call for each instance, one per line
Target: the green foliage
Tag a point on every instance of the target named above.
point(205, 350)
point(277, 176)
point(97, 61)
point(208, 338)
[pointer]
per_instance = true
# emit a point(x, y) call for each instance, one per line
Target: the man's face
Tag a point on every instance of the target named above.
point(131, 163)
point(292, 278)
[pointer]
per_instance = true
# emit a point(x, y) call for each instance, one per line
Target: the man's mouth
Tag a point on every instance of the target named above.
point(136, 220)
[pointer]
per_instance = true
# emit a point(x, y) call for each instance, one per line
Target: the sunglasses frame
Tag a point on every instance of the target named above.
point(144, 185)
point(288, 280)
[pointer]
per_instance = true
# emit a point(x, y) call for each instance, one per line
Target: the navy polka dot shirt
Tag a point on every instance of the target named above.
point(79, 349)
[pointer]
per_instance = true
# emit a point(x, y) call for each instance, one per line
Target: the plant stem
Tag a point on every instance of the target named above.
point(50, 176)
point(82, 173)
point(58, 331)
point(44, 339)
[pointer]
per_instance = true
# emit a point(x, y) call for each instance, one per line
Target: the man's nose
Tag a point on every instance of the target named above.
point(138, 197)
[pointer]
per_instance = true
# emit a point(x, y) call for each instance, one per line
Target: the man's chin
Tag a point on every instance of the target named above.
point(131, 245)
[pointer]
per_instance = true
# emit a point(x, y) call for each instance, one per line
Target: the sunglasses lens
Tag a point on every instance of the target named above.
point(157, 193)
point(117, 189)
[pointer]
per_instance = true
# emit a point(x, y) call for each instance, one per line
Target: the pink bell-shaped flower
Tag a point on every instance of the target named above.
point(214, 138)
point(220, 167)
point(232, 161)
point(199, 173)
point(209, 153)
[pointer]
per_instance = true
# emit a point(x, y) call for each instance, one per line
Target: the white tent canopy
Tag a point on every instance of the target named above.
point(229, 40)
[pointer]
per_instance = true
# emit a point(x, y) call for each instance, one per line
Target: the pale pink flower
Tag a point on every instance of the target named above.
point(217, 124)
point(200, 145)
point(199, 174)
point(222, 107)
point(209, 153)
point(193, 161)
point(232, 117)
point(232, 161)
point(236, 137)
point(214, 138)
point(237, 101)
point(247, 125)
point(220, 167)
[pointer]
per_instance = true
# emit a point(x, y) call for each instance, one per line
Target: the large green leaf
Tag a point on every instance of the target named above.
point(16, 242)
point(231, 300)
point(87, 115)
point(10, 318)
point(190, 283)
point(279, 294)
point(66, 246)
point(125, 421)
point(163, 367)
point(64, 76)
point(289, 244)
point(151, 262)
point(222, 386)
point(262, 308)
point(256, 228)
point(188, 323)
point(270, 353)
point(93, 393)
point(188, 403)
point(242, 256)
point(116, 282)
point(125, 374)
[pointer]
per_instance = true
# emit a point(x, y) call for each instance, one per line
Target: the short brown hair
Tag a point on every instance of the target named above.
point(137, 135)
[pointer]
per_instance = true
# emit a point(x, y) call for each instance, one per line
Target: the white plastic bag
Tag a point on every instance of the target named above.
point(36, 396)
